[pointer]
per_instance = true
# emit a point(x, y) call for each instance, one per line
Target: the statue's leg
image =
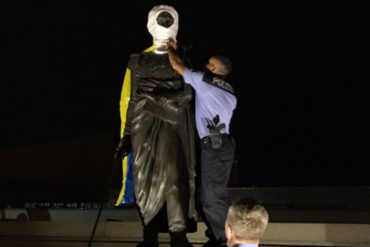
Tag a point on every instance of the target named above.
point(176, 194)
point(150, 231)
point(177, 220)
point(177, 190)
point(175, 211)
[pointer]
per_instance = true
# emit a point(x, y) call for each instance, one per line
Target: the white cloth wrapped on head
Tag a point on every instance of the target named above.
point(161, 35)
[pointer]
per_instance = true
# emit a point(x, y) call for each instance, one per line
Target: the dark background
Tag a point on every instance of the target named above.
point(300, 71)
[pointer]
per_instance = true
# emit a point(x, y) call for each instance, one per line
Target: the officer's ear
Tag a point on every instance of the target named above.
point(212, 68)
point(228, 231)
point(217, 66)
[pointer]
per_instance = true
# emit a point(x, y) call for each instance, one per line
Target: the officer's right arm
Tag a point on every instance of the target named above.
point(176, 62)
point(194, 79)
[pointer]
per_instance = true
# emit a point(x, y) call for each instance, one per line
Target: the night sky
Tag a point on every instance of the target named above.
point(300, 70)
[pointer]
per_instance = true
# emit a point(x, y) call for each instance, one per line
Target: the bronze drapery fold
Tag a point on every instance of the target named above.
point(161, 126)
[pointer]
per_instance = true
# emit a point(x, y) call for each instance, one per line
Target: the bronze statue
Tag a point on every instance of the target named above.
point(159, 129)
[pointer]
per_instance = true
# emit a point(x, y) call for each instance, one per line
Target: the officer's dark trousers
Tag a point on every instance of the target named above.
point(215, 172)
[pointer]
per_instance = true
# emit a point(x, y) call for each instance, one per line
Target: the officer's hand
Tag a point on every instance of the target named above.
point(123, 148)
point(171, 44)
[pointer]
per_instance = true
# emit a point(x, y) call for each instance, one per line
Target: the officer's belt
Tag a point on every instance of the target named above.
point(207, 139)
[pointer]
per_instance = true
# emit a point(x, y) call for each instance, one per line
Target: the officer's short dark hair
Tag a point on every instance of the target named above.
point(226, 62)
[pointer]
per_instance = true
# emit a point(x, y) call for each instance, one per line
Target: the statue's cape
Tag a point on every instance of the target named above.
point(126, 196)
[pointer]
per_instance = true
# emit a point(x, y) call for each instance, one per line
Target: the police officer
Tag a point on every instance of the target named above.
point(215, 102)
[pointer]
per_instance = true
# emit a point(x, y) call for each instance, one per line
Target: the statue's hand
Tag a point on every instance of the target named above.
point(123, 148)
point(147, 85)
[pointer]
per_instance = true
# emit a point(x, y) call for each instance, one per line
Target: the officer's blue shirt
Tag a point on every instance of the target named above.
point(244, 245)
point(210, 101)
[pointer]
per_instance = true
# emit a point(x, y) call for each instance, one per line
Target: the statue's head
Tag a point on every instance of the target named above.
point(163, 24)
